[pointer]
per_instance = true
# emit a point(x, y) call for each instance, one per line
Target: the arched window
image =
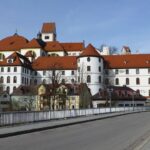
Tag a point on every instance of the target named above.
point(117, 81)
point(88, 79)
point(137, 81)
point(14, 88)
point(8, 79)
point(2, 80)
point(127, 81)
point(15, 79)
point(72, 80)
point(8, 89)
point(44, 81)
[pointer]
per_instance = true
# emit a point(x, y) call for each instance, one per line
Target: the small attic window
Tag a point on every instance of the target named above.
point(10, 61)
point(46, 37)
point(147, 61)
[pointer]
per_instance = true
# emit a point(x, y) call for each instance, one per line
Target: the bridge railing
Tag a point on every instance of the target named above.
point(11, 118)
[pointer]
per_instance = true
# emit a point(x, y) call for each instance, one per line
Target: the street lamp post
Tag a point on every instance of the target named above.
point(133, 94)
point(110, 90)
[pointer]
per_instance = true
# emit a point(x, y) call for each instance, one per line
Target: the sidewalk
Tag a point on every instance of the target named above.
point(28, 128)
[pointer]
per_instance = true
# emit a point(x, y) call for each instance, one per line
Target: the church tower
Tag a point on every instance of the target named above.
point(48, 32)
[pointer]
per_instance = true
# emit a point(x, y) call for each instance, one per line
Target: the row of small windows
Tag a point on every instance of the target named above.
point(14, 69)
point(88, 79)
point(137, 71)
point(8, 79)
point(117, 81)
point(128, 81)
point(89, 68)
point(89, 59)
point(62, 72)
point(9, 69)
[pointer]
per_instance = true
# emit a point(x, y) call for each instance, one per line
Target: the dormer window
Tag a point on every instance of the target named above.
point(10, 61)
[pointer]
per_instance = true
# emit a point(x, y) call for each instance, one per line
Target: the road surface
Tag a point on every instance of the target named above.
point(118, 133)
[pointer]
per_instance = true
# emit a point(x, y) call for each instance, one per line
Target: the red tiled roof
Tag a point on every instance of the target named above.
point(15, 60)
point(33, 44)
point(58, 63)
point(90, 51)
point(53, 46)
point(73, 46)
point(12, 43)
point(48, 28)
point(127, 61)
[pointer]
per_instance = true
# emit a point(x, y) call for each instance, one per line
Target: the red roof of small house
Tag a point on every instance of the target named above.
point(58, 63)
point(48, 28)
point(90, 51)
point(13, 43)
point(127, 61)
point(16, 59)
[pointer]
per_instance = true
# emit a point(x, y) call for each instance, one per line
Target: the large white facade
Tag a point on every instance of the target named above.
point(90, 68)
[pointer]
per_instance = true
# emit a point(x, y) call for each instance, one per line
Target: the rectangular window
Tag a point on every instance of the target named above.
point(8, 69)
point(100, 79)
point(149, 92)
point(15, 69)
point(2, 69)
point(127, 71)
point(137, 71)
point(44, 73)
point(99, 68)
point(88, 68)
point(35, 73)
point(116, 71)
point(72, 72)
point(148, 70)
point(63, 72)
point(46, 37)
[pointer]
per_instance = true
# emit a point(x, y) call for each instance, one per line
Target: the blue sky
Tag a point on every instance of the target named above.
point(111, 22)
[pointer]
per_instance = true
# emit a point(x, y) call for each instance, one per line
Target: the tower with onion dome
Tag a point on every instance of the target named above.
point(90, 69)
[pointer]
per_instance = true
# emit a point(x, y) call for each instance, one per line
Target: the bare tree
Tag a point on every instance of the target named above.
point(55, 78)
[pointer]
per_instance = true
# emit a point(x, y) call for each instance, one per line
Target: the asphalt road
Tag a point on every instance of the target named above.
point(118, 133)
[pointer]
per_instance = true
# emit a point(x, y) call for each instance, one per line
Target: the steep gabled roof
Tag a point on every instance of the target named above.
point(13, 43)
point(48, 28)
point(73, 46)
point(16, 60)
point(34, 43)
point(58, 63)
point(127, 61)
point(90, 51)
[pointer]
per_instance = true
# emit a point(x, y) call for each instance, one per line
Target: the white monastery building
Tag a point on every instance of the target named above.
point(36, 61)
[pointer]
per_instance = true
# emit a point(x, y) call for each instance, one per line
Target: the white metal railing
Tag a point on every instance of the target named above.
point(11, 118)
